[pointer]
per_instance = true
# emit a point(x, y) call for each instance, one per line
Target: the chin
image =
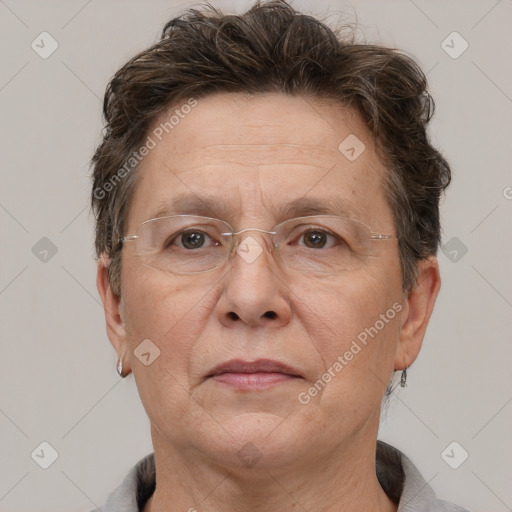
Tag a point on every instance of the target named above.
point(253, 441)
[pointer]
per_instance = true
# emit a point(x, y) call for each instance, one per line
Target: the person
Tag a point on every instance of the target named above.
point(267, 221)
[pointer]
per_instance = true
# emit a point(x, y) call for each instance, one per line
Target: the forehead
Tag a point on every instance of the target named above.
point(259, 156)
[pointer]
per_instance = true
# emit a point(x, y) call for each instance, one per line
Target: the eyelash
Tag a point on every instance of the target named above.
point(303, 233)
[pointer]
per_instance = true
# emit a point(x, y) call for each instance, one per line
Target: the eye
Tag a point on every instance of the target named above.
point(191, 239)
point(319, 239)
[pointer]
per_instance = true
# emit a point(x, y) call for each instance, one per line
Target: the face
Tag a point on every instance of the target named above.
point(249, 157)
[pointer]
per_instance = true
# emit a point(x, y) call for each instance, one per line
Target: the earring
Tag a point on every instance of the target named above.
point(403, 378)
point(120, 369)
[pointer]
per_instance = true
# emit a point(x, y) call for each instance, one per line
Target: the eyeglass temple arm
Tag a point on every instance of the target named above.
point(128, 238)
point(380, 237)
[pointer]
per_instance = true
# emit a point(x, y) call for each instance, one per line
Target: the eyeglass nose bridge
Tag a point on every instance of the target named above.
point(273, 233)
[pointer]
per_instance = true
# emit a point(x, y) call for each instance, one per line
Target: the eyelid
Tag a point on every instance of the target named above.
point(318, 229)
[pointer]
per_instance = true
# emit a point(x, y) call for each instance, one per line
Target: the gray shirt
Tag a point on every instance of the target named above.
point(397, 475)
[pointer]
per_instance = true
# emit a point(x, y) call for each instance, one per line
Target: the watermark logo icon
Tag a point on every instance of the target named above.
point(249, 249)
point(44, 455)
point(454, 249)
point(351, 147)
point(44, 45)
point(44, 250)
point(249, 454)
point(147, 352)
point(454, 45)
point(454, 455)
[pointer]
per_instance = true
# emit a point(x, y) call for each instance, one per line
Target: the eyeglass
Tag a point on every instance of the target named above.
point(188, 244)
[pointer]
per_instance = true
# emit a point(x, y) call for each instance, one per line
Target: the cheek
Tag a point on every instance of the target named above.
point(353, 323)
point(167, 311)
point(155, 303)
point(346, 304)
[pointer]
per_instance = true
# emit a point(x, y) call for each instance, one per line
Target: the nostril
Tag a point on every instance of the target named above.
point(233, 315)
point(270, 314)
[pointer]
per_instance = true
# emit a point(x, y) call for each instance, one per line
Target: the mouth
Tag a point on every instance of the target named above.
point(259, 374)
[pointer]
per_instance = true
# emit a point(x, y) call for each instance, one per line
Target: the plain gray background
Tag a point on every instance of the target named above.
point(58, 381)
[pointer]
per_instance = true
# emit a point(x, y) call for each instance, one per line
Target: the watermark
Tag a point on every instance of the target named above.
point(454, 249)
point(249, 454)
point(44, 455)
point(249, 250)
point(343, 360)
point(351, 147)
point(454, 455)
point(454, 45)
point(44, 250)
point(151, 142)
point(174, 119)
point(44, 45)
point(147, 352)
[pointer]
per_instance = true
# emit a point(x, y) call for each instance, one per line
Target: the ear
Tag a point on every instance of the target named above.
point(113, 315)
point(417, 311)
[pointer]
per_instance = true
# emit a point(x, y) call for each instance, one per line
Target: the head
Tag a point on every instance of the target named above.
point(250, 112)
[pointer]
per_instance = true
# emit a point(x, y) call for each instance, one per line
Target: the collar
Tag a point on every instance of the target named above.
point(397, 475)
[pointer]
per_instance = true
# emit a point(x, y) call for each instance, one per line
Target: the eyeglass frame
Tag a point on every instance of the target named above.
point(232, 234)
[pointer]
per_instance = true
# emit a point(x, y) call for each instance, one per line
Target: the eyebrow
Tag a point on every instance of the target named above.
point(304, 206)
point(214, 206)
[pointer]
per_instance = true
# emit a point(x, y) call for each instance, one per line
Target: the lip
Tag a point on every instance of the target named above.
point(258, 374)
point(258, 366)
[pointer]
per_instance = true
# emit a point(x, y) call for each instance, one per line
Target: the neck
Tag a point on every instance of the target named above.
point(344, 480)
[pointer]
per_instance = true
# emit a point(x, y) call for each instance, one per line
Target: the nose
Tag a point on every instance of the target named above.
point(255, 291)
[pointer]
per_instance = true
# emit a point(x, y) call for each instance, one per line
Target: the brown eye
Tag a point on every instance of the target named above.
point(318, 239)
point(189, 240)
point(315, 239)
point(193, 240)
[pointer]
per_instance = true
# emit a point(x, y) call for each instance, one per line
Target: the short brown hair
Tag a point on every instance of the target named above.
point(270, 48)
